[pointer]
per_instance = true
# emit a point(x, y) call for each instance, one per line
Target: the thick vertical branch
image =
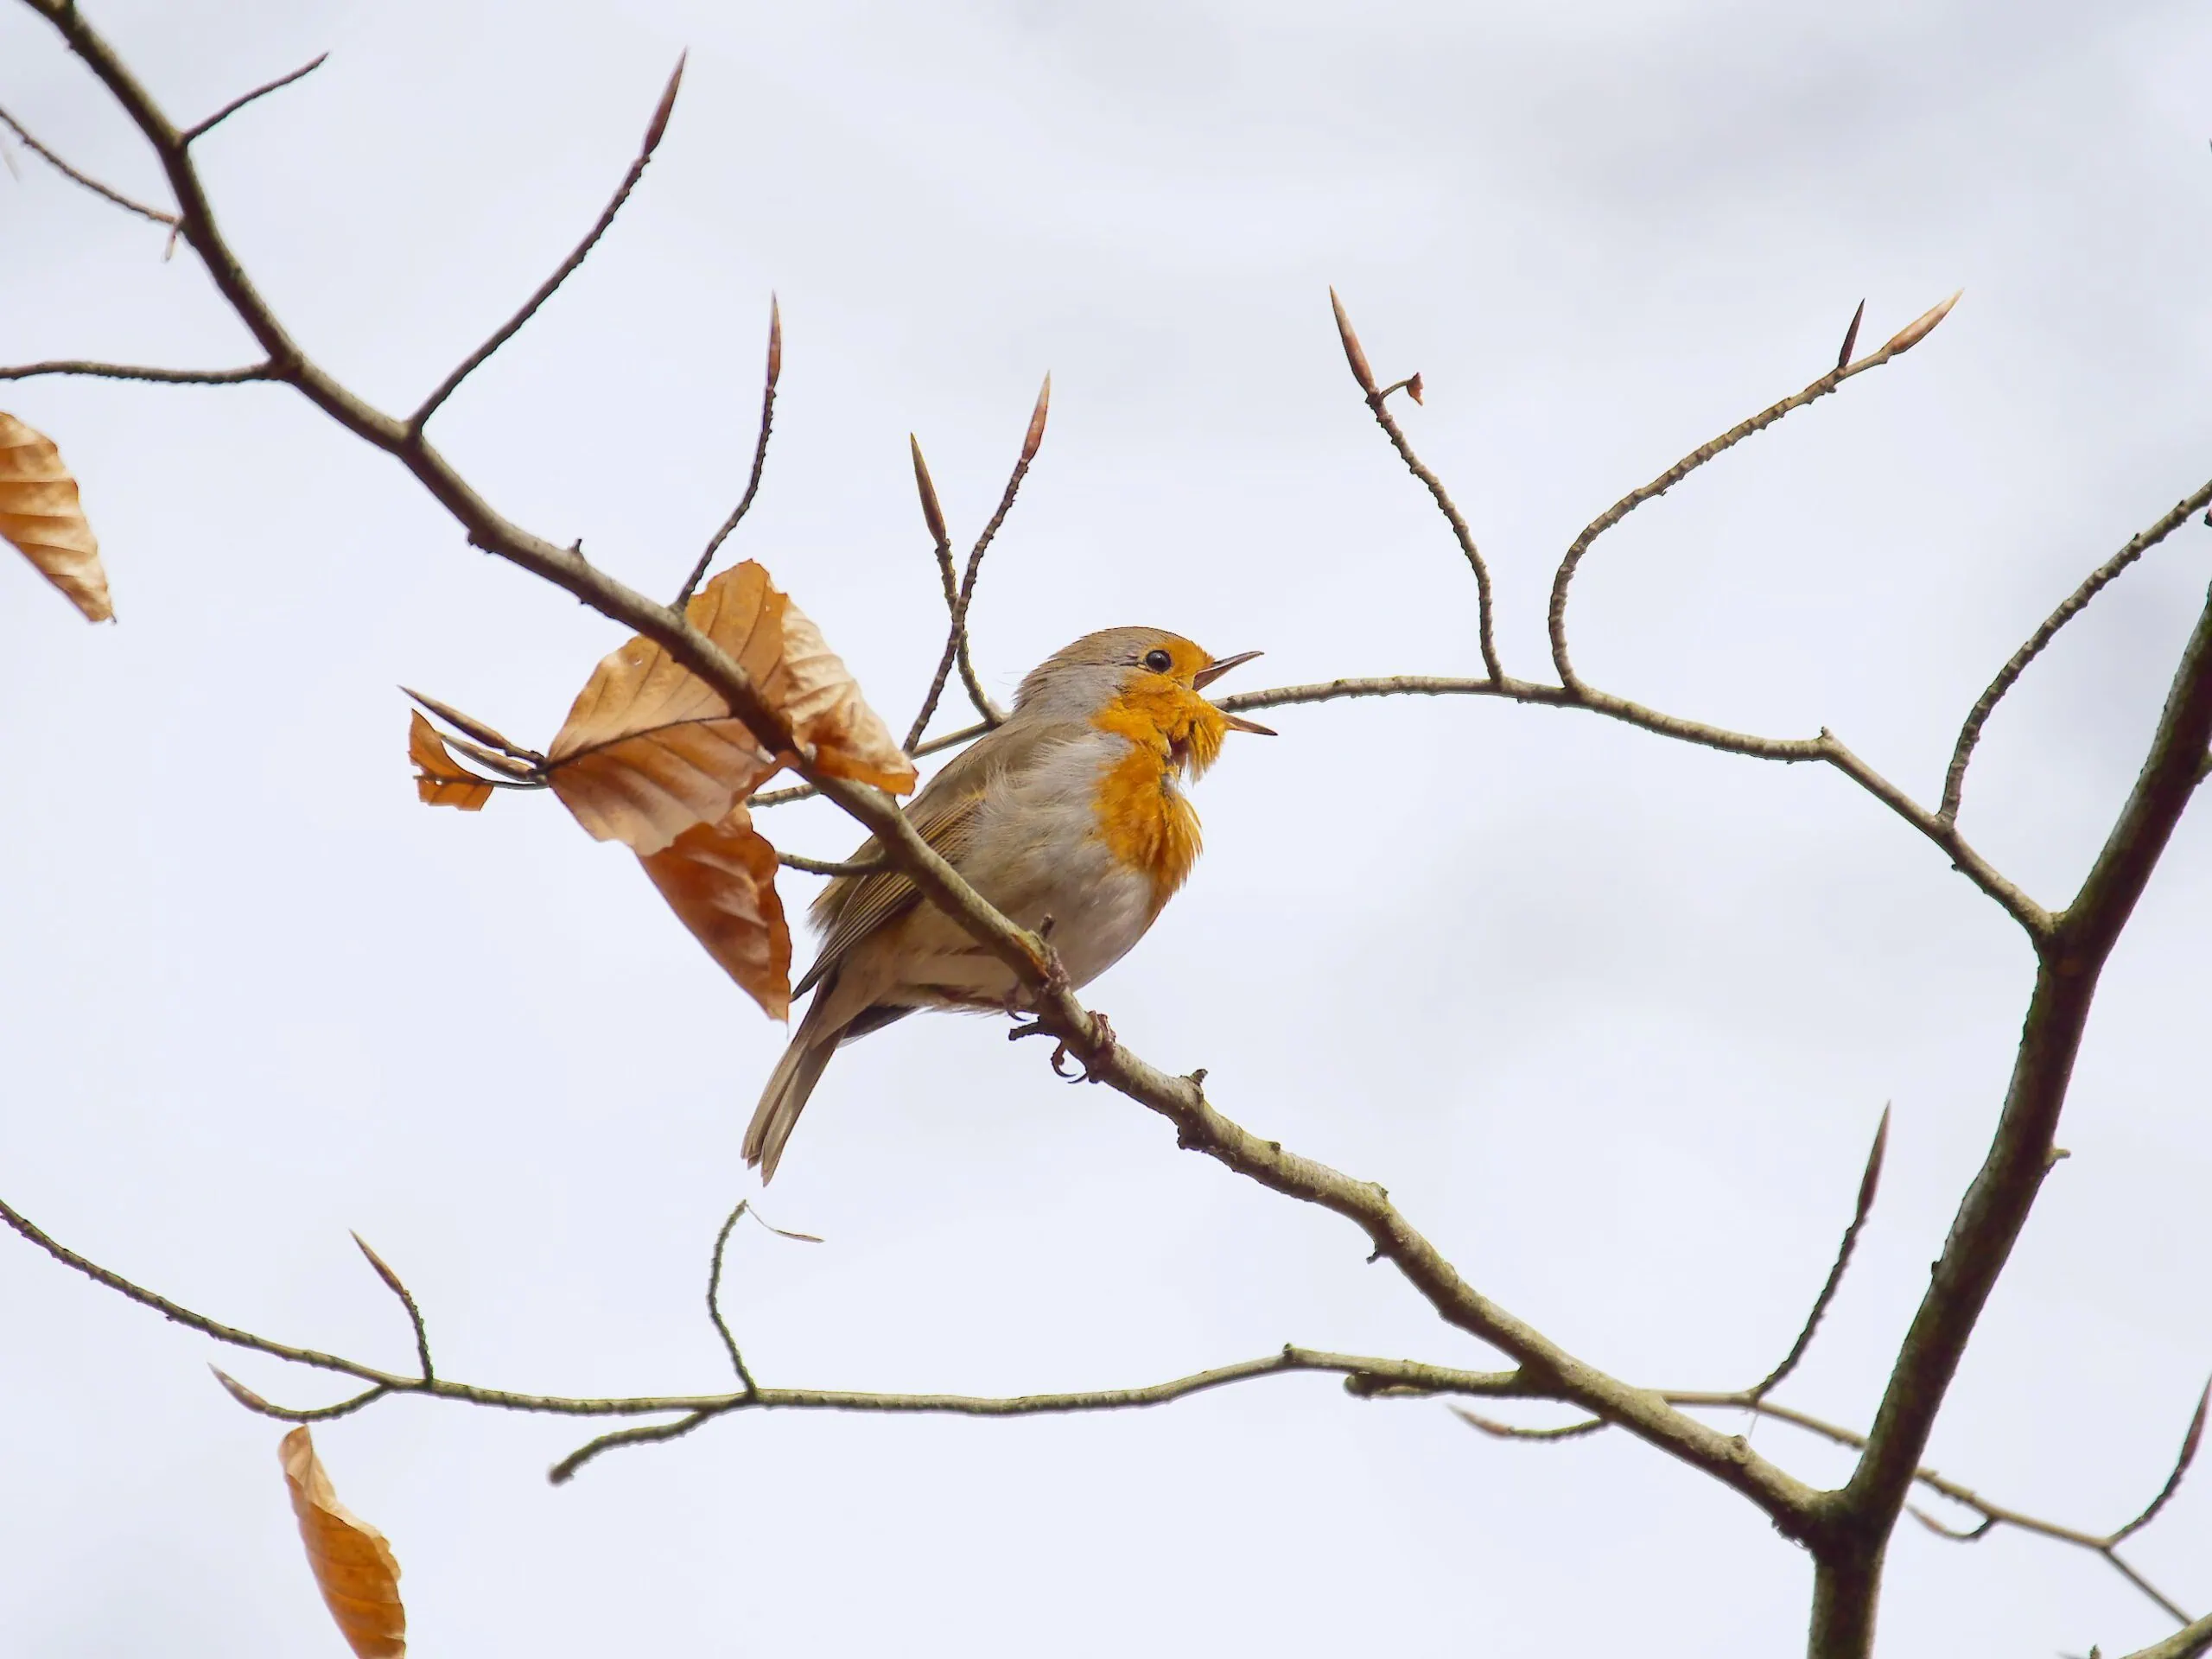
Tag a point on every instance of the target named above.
point(1996, 1206)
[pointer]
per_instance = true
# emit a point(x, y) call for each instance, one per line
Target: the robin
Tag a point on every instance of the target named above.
point(1071, 814)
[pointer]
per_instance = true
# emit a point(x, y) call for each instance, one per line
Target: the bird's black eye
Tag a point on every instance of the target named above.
point(1158, 661)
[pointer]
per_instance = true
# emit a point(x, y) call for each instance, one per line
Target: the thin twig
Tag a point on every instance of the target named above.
point(646, 1434)
point(23, 136)
point(1955, 776)
point(1498, 1431)
point(254, 1402)
point(1377, 404)
point(136, 371)
point(831, 866)
point(507, 330)
point(1903, 342)
point(2189, 1442)
point(239, 103)
point(760, 457)
point(714, 1305)
point(1867, 1184)
point(407, 1300)
point(957, 603)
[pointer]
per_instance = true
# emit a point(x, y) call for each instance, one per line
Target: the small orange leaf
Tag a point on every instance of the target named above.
point(353, 1565)
point(41, 517)
point(441, 780)
point(720, 878)
point(649, 749)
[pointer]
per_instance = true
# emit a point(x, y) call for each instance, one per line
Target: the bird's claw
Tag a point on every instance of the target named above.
point(1098, 1056)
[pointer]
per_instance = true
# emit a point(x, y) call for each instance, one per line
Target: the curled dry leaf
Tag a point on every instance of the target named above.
point(649, 749)
point(441, 780)
point(353, 1565)
point(41, 517)
point(720, 878)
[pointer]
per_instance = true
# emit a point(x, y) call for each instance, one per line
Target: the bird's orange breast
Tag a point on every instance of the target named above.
point(1142, 816)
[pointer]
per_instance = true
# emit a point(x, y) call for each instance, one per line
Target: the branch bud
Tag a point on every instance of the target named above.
point(775, 341)
point(665, 108)
point(932, 514)
point(1920, 328)
point(1851, 336)
point(1353, 354)
point(1035, 436)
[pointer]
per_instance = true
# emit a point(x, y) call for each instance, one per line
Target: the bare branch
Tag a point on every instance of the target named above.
point(1867, 1184)
point(1903, 342)
point(2184, 1644)
point(134, 371)
point(760, 455)
point(1498, 1431)
point(956, 602)
point(831, 866)
point(808, 791)
point(714, 1307)
point(237, 104)
point(24, 137)
point(507, 330)
point(1954, 777)
point(406, 1300)
point(646, 1434)
point(254, 1402)
point(2189, 1442)
point(1356, 357)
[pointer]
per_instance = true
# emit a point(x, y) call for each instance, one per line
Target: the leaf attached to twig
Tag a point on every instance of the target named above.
point(720, 878)
point(441, 780)
point(41, 517)
point(649, 749)
point(353, 1565)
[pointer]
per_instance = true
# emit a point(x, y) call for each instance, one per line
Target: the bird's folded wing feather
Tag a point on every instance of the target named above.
point(946, 815)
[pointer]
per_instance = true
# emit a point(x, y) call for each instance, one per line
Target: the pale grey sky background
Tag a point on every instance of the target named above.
point(1613, 1019)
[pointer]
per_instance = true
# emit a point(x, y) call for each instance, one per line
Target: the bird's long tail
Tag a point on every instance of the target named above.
point(789, 1085)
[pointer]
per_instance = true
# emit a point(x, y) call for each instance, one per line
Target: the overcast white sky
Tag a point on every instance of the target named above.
point(1611, 1018)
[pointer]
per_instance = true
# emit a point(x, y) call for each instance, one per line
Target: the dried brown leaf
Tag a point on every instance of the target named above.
point(353, 1565)
point(720, 878)
point(41, 517)
point(650, 749)
point(441, 780)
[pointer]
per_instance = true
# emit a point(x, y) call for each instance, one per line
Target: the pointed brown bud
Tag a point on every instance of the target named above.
point(1871, 1180)
point(1851, 336)
point(775, 340)
point(1353, 354)
point(1920, 328)
point(666, 107)
point(1035, 436)
point(932, 514)
point(1413, 388)
point(239, 1392)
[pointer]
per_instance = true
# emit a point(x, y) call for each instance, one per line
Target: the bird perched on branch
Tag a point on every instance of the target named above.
point(1071, 812)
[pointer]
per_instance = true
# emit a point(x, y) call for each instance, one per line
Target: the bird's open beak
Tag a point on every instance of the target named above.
point(1212, 671)
point(1220, 665)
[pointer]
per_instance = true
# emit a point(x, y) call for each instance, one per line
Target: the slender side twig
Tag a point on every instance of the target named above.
point(1903, 342)
point(406, 1300)
point(2190, 1442)
point(957, 603)
point(715, 1301)
point(508, 329)
point(134, 371)
point(1992, 1515)
point(831, 866)
point(1867, 1184)
point(1955, 776)
point(1498, 1431)
point(1377, 403)
point(192, 133)
point(920, 751)
point(24, 137)
point(760, 457)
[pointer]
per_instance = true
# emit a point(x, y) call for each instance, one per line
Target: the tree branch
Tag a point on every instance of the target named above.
point(510, 328)
point(1903, 342)
point(190, 134)
point(759, 454)
point(133, 372)
point(1377, 404)
point(1867, 1185)
point(1954, 777)
point(24, 138)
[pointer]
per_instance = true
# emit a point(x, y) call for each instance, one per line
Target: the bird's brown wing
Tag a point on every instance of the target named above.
point(945, 814)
